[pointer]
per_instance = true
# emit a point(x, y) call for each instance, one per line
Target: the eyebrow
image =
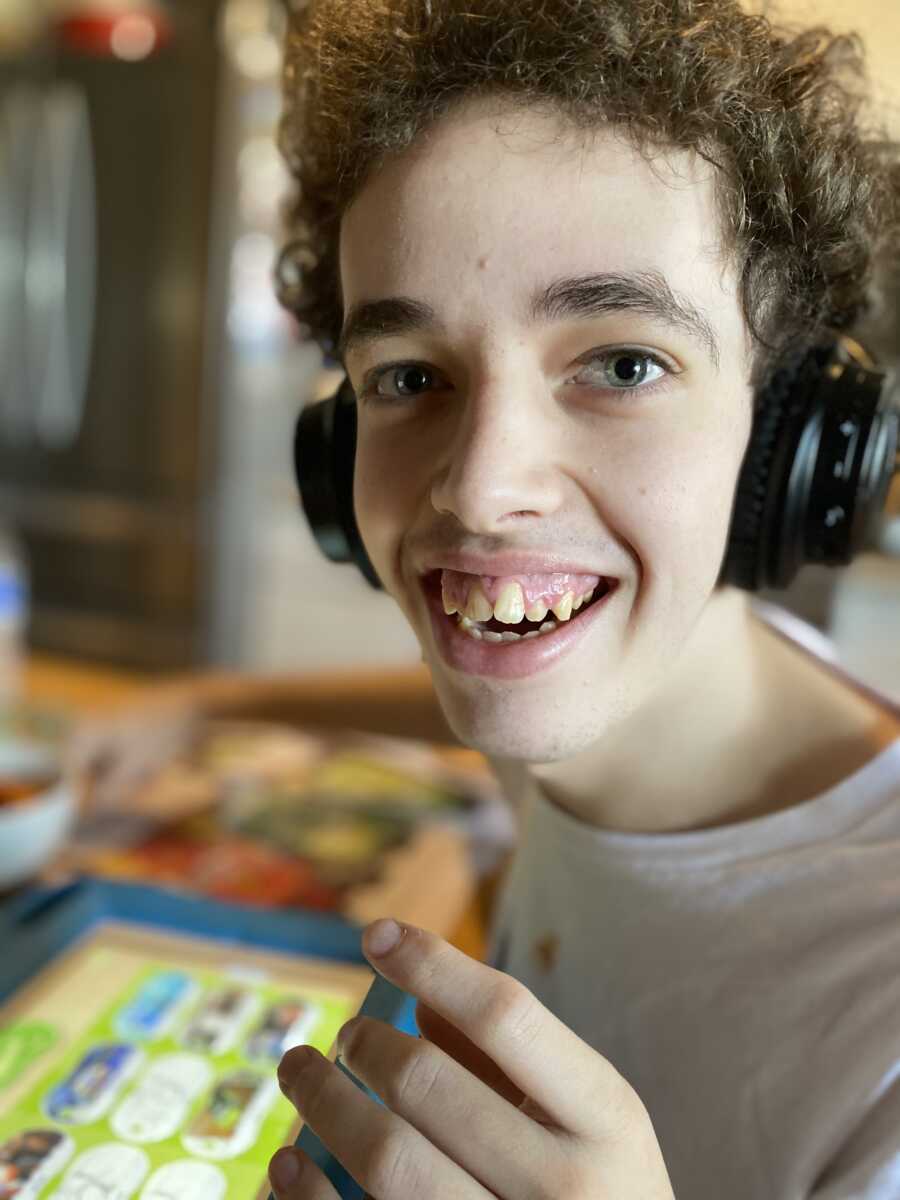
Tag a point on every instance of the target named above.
point(578, 298)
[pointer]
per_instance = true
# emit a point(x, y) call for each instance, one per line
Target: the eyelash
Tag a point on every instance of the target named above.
point(371, 395)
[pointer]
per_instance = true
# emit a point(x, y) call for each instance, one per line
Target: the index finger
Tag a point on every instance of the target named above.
point(576, 1087)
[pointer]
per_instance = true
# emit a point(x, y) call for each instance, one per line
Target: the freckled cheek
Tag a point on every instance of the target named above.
point(676, 509)
point(385, 488)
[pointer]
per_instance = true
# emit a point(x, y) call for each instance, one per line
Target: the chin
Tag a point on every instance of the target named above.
point(501, 723)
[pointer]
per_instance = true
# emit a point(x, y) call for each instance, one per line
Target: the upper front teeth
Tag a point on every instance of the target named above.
point(510, 606)
point(562, 609)
point(537, 612)
point(478, 607)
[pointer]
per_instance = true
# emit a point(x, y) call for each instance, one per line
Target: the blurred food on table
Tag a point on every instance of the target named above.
point(267, 815)
point(239, 745)
point(32, 726)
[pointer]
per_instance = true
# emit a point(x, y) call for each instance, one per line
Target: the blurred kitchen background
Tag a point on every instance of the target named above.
point(149, 381)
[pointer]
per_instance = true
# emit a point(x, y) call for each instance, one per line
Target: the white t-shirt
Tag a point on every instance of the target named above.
point(745, 980)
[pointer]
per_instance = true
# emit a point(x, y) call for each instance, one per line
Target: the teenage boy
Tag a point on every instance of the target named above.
point(561, 247)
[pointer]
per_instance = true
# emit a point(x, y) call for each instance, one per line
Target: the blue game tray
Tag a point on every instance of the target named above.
point(40, 923)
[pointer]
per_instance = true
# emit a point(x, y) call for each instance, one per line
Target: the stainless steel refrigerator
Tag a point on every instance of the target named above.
point(110, 323)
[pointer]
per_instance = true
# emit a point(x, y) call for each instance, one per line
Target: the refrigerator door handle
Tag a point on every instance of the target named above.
point(18, 121)
point(61, 276)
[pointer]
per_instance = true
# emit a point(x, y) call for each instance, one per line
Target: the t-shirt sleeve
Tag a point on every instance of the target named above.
point(867, 1167)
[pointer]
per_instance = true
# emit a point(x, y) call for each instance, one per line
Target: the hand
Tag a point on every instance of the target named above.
point(111, 757)
point(497, 1099)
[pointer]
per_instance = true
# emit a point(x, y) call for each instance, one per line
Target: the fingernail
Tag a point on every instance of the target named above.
point(381, 937)
point(293, 1065)
point(284, 1168)
point(344, 1033)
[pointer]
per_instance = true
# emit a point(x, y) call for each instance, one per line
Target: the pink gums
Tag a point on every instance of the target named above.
point(546, 588)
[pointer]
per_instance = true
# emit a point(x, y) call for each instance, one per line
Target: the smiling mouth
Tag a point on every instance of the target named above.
point(503, 612)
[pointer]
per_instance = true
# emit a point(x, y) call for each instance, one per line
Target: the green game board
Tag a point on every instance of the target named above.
point(168, 1091)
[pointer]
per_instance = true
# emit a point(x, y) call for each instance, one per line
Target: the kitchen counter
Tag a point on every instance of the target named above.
point(87, 688)
point(92, 690)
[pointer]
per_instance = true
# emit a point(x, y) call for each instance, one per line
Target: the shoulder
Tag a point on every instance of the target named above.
point(826, 726)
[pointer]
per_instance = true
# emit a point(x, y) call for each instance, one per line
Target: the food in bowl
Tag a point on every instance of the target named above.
point(18, 791)
point(37, 810)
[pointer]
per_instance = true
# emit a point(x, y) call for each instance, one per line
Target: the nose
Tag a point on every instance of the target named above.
point(501, 462)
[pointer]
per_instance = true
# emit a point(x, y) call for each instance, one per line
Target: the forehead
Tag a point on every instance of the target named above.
point(490, 203)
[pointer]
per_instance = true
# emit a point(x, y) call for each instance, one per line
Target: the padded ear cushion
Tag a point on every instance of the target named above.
point(780, 412)
point(343, 468)
point(324, 458)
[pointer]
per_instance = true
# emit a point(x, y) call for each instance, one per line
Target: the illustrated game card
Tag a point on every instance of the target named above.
point(143, 1064)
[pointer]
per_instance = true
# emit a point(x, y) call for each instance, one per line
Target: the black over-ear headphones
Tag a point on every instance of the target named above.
point(812, 487)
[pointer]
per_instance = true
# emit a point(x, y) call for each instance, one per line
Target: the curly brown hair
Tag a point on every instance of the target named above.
point(809, 199)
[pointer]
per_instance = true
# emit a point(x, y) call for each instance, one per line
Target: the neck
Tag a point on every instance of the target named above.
point(744, 725)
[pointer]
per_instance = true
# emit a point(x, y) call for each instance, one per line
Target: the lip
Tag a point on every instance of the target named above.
point(508, 660)
point(512, 563)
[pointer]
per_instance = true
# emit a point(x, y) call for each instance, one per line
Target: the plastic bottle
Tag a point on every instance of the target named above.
point(13, 616)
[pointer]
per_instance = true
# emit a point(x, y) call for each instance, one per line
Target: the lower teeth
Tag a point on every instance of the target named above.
point(488, 635)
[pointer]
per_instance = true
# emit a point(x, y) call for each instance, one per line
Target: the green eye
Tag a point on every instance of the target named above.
point(620, 369)
point(625, 370)
point(409, 380)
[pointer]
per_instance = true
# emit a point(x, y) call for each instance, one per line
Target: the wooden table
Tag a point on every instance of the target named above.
point(87, 688)
point(92, 690)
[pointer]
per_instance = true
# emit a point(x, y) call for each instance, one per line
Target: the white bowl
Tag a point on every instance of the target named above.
point(32, 830)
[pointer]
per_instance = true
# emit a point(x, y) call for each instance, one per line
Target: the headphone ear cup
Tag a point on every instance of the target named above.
point(324, 459)
point(754, 552)
point(742, 561)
